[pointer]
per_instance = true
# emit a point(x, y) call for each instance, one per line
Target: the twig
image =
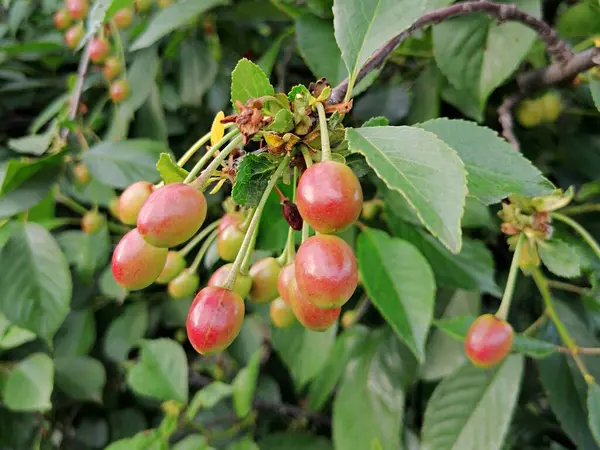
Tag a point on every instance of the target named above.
point(506, 120)
point(284, 409)
point(579, 350)
point(555, 284)
point(581, 209)
point(84, 63)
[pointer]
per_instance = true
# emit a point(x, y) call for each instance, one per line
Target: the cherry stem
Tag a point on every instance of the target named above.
point(542, 285)
point(71, 204)
point(198, 238)
point(325, 147)
point(209, 154)
point(280, 194)
point(308, 161)
point(207, 243)
point(561, 285)
point(579, 229)
point(536, 325)
point(581, 209)
point(119, 47)
point(502, 312)
point(203, 180)
point(361, 309)
point(117, 228)
point(249, 237)
point(248, 256)
point(197, 146)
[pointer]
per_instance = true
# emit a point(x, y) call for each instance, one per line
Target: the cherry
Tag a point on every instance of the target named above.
point(131, 201)
point(112, 68)
point(264, 273)
point(551, 105)
point(164, 3)
point(62, 19)
point(172, 215)
point(348, 318)
point(123, 17)
point(326, 270)
point(81, 173)
point(530, 113)
point(242, 284)
point(135, 263)
point(92, 221)
point(119, 91)
point(77, 8)
point(73, 35)
point(283, 281)
point(230, 236)
point(113, 207)
point(143, 5)
point(329, 196)
point(99, 49)
point(309, 315)
point(173, 266)
point(281, 314)
point(488, 341)
point(184, 284)
point(215, 319)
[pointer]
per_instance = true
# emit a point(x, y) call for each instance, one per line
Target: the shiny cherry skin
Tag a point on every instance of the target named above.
point(77, 8)
point(123, 17)
point(92, 221)
point(230, 236)
point(62, 19)
point(215, 319)
point(184, 284)
point(132, 199)
point(283, 281)
point(81, 173)
point(329, 197)
point(489, 340)
point(309, 315)
point(112, 68)
point(264, 273)
point(119, 91)
point(242, 284)
point(173, 266)
point(73, 35)
point(326, 270)
point(281, 314)
point(135, 263)
point(99, 49)
point(172, 215)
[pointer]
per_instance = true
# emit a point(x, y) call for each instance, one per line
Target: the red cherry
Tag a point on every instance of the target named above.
point(173, 266)
point(489, 340)
point(99, 49)
point(135, 263)
point(81, 173)
point(119, 91)
point(92, 221)
point(283, 281)
point(329, 197)
point(73, 35)
point(77, 8)
point(215, 319)
point(281, 314)
point(264, 273)
point(309, 315)
point(112, 68)
point(131, 201)
point(326, 270)
point(242, 284)
point(184, 284)
point(123, 17)
point(230, 236)
point(62, 19)
point(113, 207)
point(172, 215)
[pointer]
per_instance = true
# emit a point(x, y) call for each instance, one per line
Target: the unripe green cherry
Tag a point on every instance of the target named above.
point(112, 68)
point(135, 263)
point(173, 266)
point(119, 91)
point(81, 173)
point(172, 215)
point(489, 340)
point(283, 281)
point(242, 284)
point(348, 318)
point(281, 314)
point(77, 8)
point(123, 17)
point(215, 319)
point(230, 236)
point(184, 284)
point(552, 106)
point(113, 207)
point(143, 5)
point(92, 221)
point(73, 35)
point(131, 201)
point(264, 273)
point(530, 113)
point(309, 315)
point(62, 19)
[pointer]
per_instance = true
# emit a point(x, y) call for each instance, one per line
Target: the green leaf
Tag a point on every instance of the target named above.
point(477, 54)
point(35, 280)
point(444, 353)
point(378, 121)
point(29, 385)
point(169, 171)
point(369, 406)
point(144, 440)
point(116, 5)
point(595, 91)
point(316, 43)
point(282, 122)
point(12, 336)
point(80, 377)
point(252, 178)
point(34, 144)
point(192, 442)
point(362, 27)
point(426, 93)
point(126, 331)
point(208, 397)
point(244, 385)
point(495, 173)
point(400, 284)
point(77, 334)
point(197, 72)
point(579, 21)
point(424, 169)
point(28, 193)
point(88, 252)
point(120, 164)
point(161, 372)
point(325, 382)
point(303, 351)
point(593, 405)
point(472, 408)
point(268, 58)
point(560, 258)
point(390, 101)
point(248, 81)
point(108, 286)
point(95, 19)
point(174, 16)
point(294, 441)
point(150, 119)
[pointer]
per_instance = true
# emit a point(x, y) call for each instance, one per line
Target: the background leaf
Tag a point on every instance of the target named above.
point(560, 258)
point(252, 178)
point(126, 331)
point(248, 81)
point(29, 385)
point(80, 377)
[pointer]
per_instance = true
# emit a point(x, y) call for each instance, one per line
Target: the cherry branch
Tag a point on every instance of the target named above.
point(84, 63)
